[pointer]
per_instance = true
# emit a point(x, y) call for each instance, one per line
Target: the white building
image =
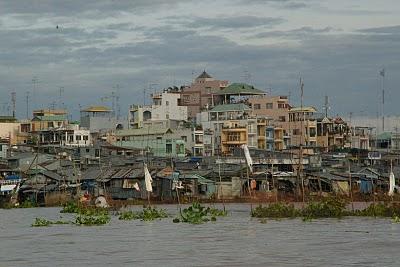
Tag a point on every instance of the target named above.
point(66, 136)
point(166, 106)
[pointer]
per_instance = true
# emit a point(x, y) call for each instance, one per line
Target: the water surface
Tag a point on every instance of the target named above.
point(236, 240)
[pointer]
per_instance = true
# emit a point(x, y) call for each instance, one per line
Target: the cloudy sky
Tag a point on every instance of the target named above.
point(337, 46)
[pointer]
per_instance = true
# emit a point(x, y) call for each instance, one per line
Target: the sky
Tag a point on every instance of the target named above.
point(74, 54)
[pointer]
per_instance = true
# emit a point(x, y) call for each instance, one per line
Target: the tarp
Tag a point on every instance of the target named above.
point(365, 187)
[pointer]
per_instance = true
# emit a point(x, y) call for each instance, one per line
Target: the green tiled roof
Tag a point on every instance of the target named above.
point(142, 131)
point(240, 89)
point(230, 107)
point(7, 119)
point(384, 136)
point(50, 118)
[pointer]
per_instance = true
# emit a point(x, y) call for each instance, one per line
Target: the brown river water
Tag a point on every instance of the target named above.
point(235, 240)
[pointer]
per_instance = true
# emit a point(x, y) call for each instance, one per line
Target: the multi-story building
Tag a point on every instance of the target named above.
point(228, 117)
point(201, 93)
point(360, 137)
point(166, 106)
point(303, 126)
point(234, 134)
point(69, 135)
point(162, 142)
point(275, 108)
point(9, 129)
point(331, 133)
point(46, 119)
point(98, 119)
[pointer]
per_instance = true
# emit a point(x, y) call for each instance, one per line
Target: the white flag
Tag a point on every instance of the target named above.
point(136, 186)
point(391, 183)
point(147, 179)
point(248, 157)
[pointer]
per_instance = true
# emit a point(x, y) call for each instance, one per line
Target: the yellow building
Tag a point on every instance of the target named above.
point(233, 135)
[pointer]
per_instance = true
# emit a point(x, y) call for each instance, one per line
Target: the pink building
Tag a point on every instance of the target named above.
point(199, 95)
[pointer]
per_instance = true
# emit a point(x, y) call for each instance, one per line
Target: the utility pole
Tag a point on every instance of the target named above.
point(382, 73)
point(13, 100)
point(27, 105)
point(300, 166)
point(326, 106)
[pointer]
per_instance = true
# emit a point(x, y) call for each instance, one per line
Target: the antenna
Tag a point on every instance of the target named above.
point(27, 105)
point(116, 99)
point(246, 76)
point(61, 103)
point(35, 82)
point(13, 100)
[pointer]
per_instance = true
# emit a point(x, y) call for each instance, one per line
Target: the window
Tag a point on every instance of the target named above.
point(184, 138)
point(296, 131)
point(269, 106)
point(78, 138)
point(168, 148)
point(233, 136)
point(50, 124)
point(87, 150)
point(85, 137)
point(281, 105)
point(167, 103)
point(257, 106)
point(282, 118)
point(312, 132)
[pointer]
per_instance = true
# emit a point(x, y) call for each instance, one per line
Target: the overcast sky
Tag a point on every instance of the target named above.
point(337, 46)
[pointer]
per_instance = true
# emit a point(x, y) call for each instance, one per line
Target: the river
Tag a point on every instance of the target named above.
point(235, 240)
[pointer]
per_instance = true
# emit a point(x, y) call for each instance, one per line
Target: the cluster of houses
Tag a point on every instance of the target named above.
point(192, 135)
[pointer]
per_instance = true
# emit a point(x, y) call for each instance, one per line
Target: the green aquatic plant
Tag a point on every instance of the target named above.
point(41, 222)
point(128, 215)
point(218, 212)
point(151, 214)
point(380, 210)
point(73, 207)
point(27, 204)
point(147, 214)
point(327, 208)
point(197, 214)
point(70, 207)
point(92, 220)
point(396, 219)
point(275, 210)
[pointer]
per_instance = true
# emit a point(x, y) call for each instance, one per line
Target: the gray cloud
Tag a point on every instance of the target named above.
point(89, 61)
point(300, 33)
point(231, 23)
point(74, 7)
